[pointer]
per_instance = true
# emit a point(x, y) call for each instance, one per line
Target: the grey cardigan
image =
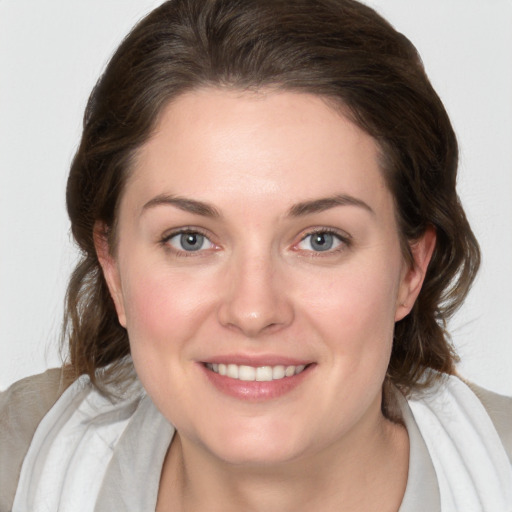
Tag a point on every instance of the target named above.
point(26, 402)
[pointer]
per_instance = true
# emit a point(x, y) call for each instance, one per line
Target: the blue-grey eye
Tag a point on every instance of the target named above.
point(190, 242)
point(320, 241)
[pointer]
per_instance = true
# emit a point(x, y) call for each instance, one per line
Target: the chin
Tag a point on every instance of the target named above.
point(256, 455)
point(257, 445)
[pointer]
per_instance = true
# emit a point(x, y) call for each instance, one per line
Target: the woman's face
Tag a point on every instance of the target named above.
point(257, 237)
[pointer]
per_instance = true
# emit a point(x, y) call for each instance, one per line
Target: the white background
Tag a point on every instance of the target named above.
point(51, 54)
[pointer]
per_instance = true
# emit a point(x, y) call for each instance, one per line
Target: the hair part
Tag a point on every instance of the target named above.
point(340, 50)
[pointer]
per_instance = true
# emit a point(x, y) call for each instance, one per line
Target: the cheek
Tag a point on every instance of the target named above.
point(165, 312)
point(354, 315)
point(162, 308)
point(354, 300)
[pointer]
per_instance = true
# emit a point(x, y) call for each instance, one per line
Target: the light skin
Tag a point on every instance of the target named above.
point(290, 252)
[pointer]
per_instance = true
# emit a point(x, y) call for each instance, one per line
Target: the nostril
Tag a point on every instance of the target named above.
point(253, 317)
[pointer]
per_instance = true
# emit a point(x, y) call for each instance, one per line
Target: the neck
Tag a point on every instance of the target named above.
point(364, 471)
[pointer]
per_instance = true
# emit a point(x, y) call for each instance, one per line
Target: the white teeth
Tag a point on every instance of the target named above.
point(299, 368)
point(246, 372)
point(232, 371)
point(290, 370)
point(264, 373)
point(259, 374)
point(278, 372)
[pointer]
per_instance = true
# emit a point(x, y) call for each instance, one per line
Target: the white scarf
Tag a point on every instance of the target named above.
point(74, 448)
point(473, 470)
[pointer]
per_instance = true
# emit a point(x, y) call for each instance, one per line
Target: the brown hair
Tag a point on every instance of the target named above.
point(338, 49)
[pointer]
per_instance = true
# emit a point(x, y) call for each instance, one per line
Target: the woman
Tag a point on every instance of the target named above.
point(264, 195)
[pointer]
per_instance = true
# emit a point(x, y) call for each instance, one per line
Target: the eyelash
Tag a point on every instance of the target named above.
point(184, 231)
point(343, 239)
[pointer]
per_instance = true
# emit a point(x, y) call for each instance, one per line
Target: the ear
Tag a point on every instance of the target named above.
point(414, 274)
point(110, 269)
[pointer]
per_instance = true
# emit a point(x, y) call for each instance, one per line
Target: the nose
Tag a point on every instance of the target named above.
point(255, 300)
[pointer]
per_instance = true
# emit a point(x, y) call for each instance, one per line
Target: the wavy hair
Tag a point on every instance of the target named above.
point(340, 50)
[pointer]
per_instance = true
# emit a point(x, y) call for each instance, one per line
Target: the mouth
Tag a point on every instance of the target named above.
point(255, 374)
point(256, 381)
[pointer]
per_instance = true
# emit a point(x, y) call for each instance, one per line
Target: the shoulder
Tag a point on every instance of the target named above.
point(499, 408)
point(22, 407)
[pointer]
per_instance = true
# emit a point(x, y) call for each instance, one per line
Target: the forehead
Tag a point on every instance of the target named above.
point(217, 144)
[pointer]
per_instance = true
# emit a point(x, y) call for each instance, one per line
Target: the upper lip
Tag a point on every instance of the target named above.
point(257, 360)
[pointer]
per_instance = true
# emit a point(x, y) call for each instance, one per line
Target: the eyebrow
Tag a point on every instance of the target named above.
point(297, 210)
point(187, 205)
point(326, 203)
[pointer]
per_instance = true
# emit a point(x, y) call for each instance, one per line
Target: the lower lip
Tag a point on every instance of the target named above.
point(255, 391)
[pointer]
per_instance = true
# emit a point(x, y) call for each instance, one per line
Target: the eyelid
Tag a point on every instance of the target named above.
point(343, 237)
point(167, 236)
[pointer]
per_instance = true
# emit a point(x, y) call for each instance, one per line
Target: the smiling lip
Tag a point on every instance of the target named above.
point(256, 390)
point(260, 360)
